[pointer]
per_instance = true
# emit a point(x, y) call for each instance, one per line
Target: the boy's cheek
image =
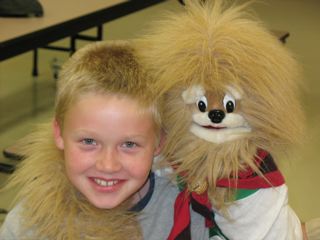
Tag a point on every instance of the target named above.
point(75, 160)
point(140, 169)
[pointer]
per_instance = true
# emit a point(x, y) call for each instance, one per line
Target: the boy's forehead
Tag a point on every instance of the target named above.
point(96, 111)
point(131, 103)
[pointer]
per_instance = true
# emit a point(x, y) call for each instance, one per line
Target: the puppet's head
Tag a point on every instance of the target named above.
point(229, 87)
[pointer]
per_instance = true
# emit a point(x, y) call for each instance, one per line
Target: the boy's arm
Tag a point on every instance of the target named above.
point(263, 215)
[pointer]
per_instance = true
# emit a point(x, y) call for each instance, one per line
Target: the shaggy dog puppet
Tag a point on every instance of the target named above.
point(231, 107)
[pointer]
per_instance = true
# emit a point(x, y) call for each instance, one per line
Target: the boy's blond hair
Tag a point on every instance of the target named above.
point(105, 68)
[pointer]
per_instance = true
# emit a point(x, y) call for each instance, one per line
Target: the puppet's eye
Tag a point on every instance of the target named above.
point(202, 104)
point(229, 103)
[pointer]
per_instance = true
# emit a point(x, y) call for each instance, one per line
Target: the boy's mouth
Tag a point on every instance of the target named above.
point(105, 183)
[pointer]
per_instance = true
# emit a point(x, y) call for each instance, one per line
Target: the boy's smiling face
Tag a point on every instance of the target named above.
point(109, 145)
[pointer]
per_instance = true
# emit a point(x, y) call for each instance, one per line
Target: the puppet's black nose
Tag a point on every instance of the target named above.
point(216, 116)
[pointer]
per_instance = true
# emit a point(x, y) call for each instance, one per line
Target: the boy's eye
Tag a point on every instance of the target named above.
point(89, 141)
point(129, 144)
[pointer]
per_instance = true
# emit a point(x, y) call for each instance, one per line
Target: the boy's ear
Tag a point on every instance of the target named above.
point(160, 144)
point(57, 134)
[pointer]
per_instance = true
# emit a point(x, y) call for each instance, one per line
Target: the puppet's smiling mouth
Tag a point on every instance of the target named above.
point(218, 134)
point(215, 128)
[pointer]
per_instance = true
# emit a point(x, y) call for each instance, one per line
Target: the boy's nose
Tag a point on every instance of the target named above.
point(108, 161)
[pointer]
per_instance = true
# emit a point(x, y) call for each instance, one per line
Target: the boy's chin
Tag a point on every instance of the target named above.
point(126, 204)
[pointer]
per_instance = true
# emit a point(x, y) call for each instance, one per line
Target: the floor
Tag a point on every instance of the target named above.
point(26, 101)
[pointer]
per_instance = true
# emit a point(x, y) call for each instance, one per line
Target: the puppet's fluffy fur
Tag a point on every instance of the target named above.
point(52, 208)
point(217, 46)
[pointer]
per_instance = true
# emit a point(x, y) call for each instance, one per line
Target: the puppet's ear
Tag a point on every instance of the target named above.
point(192, 94)
point(236, 92)
point(57, 132)
point(160, 144)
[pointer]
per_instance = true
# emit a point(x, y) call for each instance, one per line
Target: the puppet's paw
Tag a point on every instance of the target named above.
point(313, 229)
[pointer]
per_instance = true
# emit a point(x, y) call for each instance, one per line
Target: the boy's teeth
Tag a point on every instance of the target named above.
point(105, 183)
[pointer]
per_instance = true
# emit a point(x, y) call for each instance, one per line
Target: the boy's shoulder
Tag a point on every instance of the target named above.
point(165, 184)
point(156, 219)
point(164, 192)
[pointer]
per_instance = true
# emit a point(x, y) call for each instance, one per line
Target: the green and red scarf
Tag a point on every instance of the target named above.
point(247, 180)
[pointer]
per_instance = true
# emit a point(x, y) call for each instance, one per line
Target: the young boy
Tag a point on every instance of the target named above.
point(88, 175)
